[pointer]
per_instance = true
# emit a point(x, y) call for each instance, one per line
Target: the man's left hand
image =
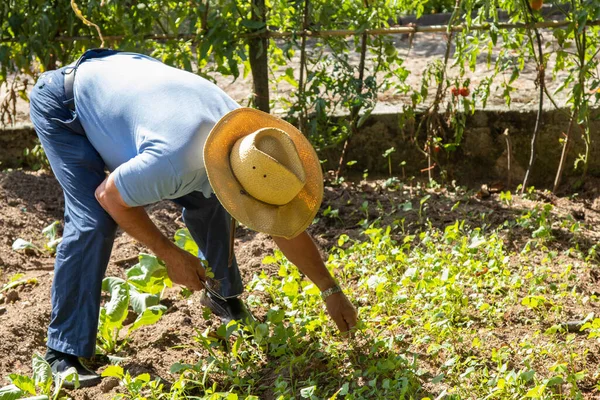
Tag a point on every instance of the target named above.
point(341, 311)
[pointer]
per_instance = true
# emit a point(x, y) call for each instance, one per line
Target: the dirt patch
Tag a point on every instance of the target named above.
point(32, 200)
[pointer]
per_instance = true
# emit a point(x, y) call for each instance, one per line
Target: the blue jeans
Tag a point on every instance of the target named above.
point(89, 231)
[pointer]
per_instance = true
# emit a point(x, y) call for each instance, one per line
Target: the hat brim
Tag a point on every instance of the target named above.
point(286, 221)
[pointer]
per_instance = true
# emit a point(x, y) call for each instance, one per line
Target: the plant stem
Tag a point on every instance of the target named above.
point(355, 109)
point(580, 42)
point(433, 123)
point(508, 157)
point(541, 83)
point(301, 83)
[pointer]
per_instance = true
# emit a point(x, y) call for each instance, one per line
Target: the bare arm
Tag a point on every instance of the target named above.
point(182, 267)
point(303, 253)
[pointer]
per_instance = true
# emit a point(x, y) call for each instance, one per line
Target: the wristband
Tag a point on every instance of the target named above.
point(332, 290)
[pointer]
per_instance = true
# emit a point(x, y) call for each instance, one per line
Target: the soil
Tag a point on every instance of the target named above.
point(32, 200)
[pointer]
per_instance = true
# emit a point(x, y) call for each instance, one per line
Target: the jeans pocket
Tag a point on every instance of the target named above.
point(71, 124)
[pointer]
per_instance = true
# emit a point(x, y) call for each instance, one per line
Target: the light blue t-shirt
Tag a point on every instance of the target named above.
point(148, 122)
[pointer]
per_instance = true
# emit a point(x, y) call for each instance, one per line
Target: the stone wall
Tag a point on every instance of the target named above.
point(482, 157)
point(13, 142)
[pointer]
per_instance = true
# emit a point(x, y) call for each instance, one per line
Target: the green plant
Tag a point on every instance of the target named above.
point(388, 154)
point(40, 384)
point(141, 290)
point(36, 158)
point(506, 197)
point(51, 234)
point(140, 387)
point(16, 280)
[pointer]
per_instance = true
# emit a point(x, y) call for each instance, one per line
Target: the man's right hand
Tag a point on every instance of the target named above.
point(185, 269)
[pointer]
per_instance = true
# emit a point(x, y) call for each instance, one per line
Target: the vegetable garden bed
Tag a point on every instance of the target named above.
point(463, 295)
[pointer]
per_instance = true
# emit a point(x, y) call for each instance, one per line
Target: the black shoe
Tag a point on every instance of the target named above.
point(227, 309)
point(60, 363)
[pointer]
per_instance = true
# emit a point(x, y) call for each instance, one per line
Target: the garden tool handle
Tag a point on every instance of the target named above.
point(231, 241)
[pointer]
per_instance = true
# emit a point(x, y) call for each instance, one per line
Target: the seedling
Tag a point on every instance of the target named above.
point(40, 384)
point(506, 197)
point(17, 280)
point(50, 232)
point(388, 154)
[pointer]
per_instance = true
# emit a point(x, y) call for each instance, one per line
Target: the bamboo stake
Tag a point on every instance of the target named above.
point(506, 135)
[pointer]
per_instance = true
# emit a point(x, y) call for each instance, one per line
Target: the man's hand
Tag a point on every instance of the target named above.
point(341, 311)
point(303, 253)
point(185, 269)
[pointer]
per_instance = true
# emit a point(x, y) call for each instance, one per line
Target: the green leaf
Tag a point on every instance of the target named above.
point(141, 301)
point(145, 378)
point(556, 380)
point(527, 375)
point(116, 308)
point(149, 275)
point(308, 392)
point(537, 391)
point(51, 231)
point(388, 152)
point(10, 392)
point(178, 368)
point(69, 375)
point(261, 332)
point(275, 315)
point(184, 240)
point(150, 316)
point(14, 283)
point(253, 25)
point(42, 373)
point(21, 244)
point(24, 383)
point(113, 371)
point(269, 260)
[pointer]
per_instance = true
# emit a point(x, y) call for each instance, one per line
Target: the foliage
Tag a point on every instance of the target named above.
point(17, 280)
point(40, 384)
point(433, 305)
point(141, 291)
point(51, 234)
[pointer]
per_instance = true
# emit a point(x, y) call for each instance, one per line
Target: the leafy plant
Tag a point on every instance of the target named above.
point(18, 280)
point(40, 384)
point(51, 234)
point(141, 291)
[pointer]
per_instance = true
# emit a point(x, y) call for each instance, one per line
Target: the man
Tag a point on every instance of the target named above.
point(164, 133)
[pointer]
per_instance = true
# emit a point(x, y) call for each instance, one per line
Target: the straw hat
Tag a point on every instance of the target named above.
point(264, 172)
